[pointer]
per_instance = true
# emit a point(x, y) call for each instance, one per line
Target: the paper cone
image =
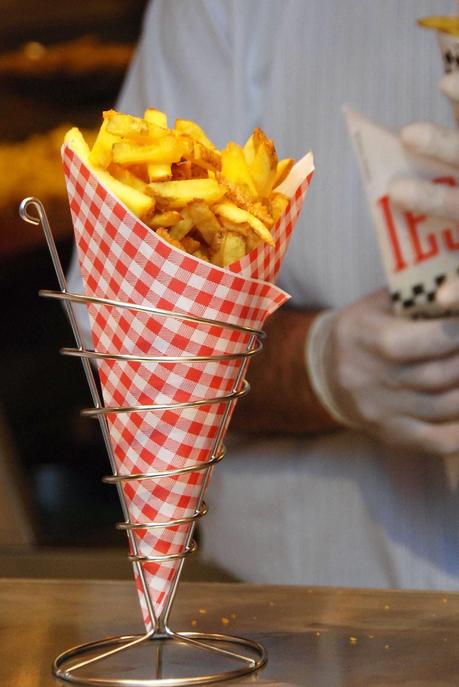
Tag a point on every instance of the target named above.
point(122, 259)
point(419, 252)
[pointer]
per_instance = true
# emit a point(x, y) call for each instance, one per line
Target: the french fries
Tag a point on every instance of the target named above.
point(449, 24)
point(215, 205)
point(178, 194)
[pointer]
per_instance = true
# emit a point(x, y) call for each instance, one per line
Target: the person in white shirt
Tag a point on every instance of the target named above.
point(344, 479)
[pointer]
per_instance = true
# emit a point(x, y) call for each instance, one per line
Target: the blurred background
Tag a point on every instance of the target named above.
point(61, 64)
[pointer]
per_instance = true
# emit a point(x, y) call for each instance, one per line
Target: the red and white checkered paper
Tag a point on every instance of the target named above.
point(122, 259)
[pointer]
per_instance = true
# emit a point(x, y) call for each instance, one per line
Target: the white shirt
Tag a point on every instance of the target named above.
point(335, 509)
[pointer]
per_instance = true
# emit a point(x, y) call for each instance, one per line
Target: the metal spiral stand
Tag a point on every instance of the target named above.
point(68, 665)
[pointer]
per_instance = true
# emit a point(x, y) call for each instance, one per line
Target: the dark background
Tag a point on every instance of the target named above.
point(60, 456)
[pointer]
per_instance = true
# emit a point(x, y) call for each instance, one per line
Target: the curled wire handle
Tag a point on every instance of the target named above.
point(41, 218)
point(24, 210)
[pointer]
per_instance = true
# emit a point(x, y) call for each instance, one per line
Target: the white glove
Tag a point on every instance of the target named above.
point(394, 378)
point(435, 142)
point(421, 196)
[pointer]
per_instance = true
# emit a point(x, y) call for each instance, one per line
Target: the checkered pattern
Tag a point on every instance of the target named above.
point(419, 300)
point(121, 259)
point(263, 262)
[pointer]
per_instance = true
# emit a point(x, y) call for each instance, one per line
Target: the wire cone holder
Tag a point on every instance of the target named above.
point(242, 655)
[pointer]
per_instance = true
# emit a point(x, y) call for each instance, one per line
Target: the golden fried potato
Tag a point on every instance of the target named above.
point(283, 170)
point(249, 150)
point(134, 128)
point(279, 204)
point(166, 149)
point(243, 228)
point(203, 218)
point(232, 248)
point(75, 139)
point(159, 171)
point(180, 193)
point(238, 194)
point(215, 205)
point(153, 116)
point(448, 24)
point(231, 212)
point(165, 219)
point(164, 233)
point(101, 152)
point(200, 155)
point(127, 177)
point(139, 203)
point(236, 170)
point(186, 169)
point(264, 164)
point(181, 228)
point(185, 126)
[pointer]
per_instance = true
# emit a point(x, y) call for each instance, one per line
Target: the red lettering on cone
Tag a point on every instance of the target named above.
point(425, 247)
point(449, 181)
point(420, 255)
point(400, 263)
point(448, 238)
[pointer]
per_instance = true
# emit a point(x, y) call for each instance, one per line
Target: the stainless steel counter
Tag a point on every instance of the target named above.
point(316, 637)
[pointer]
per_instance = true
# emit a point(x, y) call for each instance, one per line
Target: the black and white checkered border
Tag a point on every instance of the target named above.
point(420, 294)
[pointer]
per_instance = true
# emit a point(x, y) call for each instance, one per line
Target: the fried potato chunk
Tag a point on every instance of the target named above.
point(237, 215)
point(166, 149)
point(232, 248)
point(192, 129)
point(215, 205)
point(180, 193)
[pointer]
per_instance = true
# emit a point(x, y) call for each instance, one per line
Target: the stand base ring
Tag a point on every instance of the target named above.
point(65, 665)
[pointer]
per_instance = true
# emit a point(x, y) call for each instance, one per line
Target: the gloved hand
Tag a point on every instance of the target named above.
point(394, 378)
point(439, 143)
point(421, 196)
